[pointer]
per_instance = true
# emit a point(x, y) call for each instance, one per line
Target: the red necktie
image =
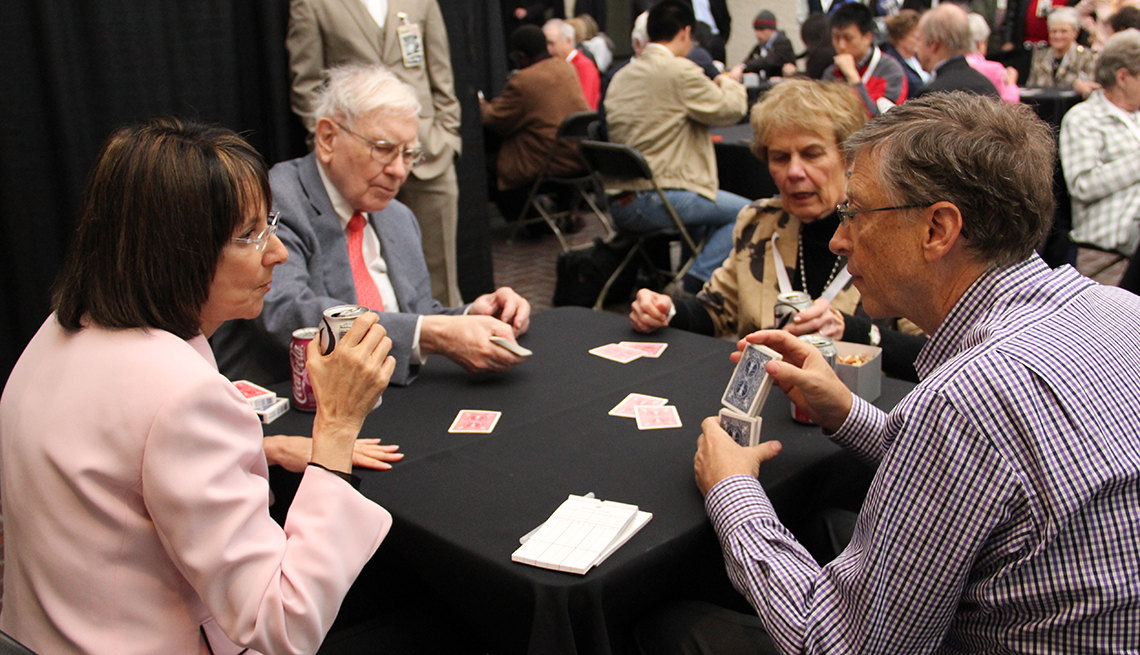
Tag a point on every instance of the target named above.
point(366, 292)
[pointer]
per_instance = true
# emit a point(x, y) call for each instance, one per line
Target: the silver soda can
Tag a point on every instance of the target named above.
point(826, 348)
point(336, 323)
point(303, 398)
point(788, 305)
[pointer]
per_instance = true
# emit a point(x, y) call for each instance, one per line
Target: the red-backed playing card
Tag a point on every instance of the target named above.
point(626, 406)
point(656, 418)
point(475, 420)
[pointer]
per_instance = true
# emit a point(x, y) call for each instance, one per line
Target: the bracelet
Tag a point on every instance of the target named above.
point(347, 477)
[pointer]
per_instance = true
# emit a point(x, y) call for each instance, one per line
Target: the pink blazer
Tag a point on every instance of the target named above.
point(136, 507)
point(995, 73)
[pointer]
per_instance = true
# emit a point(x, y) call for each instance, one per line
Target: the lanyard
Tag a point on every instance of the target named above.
point(828, 294)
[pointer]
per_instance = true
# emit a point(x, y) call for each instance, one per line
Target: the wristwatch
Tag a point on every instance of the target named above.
point(875, 337)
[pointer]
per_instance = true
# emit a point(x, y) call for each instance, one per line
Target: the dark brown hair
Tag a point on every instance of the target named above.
point(161, 201)
point(993, 160)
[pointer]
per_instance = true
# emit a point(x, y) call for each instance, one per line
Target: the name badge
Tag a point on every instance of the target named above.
point(411, 44)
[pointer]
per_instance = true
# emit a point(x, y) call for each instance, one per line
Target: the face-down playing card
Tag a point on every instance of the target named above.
point(749, 385)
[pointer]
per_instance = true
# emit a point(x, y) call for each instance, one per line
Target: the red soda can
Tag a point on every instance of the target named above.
point(303, 398)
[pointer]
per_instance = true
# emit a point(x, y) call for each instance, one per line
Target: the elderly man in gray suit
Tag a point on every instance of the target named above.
point(408, 37)
point(350, 242)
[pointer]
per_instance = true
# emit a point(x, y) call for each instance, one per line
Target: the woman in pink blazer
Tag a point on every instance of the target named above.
point(135, 498)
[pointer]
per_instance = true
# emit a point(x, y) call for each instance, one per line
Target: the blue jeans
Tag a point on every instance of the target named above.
point(646, 213)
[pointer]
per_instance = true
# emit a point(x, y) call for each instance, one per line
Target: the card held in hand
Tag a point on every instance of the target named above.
point(744, 430)
point(748, 387)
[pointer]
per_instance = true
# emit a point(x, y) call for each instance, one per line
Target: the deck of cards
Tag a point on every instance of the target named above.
point(745, 394)
point(626, 351)
point(265, 403)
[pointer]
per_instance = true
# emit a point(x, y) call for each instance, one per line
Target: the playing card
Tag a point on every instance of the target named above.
point(474, 420)
point(511, 346)
point(616, 353)
point(656, 418)
point(744, 430)
point(645, 348)
point(748, 387)
point(625, 407)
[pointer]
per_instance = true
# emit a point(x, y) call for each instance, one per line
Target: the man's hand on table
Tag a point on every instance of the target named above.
point(466, 340)
point(294, 453)
point(805, 376)
point(719, 457)
point(650, 311)
point(507, 306)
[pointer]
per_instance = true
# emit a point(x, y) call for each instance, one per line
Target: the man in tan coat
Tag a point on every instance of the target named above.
point(534, 102)
point(409, 38)
point(663, 104)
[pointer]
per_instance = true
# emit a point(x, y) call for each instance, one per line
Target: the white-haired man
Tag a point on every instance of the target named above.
point(1100, 151)
point(560, 43)
point(351, 242)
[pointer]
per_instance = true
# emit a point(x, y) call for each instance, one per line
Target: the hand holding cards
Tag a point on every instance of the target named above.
point(745, 395)
point(749, 385)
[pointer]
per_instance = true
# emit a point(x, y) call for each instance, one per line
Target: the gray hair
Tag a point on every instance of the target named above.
point(1121, 50)
point(991, 159)
point(352, 91)
point(1067, 15)
point(565, 30)
point(947, 24)
point(640, 34)
point(979, 29)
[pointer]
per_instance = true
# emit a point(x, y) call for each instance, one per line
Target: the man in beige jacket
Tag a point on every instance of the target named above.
point(410, 39)
point(674, 137)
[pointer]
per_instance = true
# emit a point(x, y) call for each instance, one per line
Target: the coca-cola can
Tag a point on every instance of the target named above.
point(826, 347)
point(788, 305)
point(303, 398)
point(336, 323)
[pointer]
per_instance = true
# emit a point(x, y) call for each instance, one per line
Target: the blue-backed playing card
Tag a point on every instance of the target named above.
point(748, 387)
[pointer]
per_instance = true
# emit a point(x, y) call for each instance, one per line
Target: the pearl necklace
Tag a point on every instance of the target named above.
point(803, 266)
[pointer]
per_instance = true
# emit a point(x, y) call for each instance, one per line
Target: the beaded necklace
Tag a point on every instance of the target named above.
point(802, 267)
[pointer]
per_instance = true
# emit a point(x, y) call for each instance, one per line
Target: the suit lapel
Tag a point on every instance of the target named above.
point(326, 228)
point(367, 24)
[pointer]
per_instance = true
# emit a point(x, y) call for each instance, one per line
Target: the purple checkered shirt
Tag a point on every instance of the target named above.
point(1005, 513)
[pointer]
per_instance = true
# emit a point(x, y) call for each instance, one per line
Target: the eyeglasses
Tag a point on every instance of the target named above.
point(845, 214)
point(262, 239)
point(385, 153)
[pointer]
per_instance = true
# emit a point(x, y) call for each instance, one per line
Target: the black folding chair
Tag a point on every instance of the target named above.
point(574, 129)
point(614, 164)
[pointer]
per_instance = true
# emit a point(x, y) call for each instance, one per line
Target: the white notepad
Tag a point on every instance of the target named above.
point(580, 534)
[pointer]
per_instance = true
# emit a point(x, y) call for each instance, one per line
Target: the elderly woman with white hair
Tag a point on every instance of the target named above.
point(1063, 63)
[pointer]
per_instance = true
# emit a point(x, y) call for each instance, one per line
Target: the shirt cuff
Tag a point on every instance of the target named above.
point(737, 500)
point(863, 425)
point(350, 478)
point(416, 358)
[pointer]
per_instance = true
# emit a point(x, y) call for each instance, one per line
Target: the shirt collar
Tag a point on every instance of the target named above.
point(344, 211)
point(987, 294)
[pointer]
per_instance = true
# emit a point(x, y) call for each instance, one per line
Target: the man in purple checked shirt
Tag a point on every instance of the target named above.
point(1005, 511)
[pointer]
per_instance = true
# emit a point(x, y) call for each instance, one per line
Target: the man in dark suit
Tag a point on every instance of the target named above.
point(351, 242)
point(944, 40)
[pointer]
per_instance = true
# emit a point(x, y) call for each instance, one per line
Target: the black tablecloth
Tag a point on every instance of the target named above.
point(1051, 104)
point(461, 502)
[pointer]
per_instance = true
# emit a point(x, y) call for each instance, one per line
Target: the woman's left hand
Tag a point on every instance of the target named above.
point(293, 453)
point(820, 317)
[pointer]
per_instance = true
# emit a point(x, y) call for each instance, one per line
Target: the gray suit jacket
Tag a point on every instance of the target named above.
point(318, 276)
point(327, 33)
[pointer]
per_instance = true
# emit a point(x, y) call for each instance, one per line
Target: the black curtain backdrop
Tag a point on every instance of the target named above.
point(79, 68)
